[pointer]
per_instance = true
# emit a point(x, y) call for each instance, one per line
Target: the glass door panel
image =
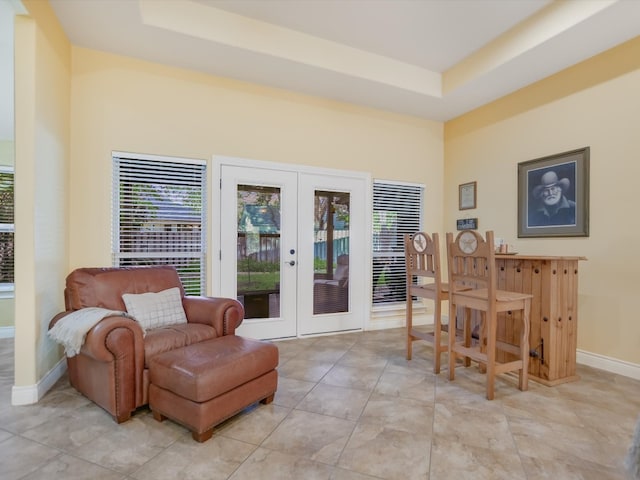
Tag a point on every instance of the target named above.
point(331, 252)
point(258, 252)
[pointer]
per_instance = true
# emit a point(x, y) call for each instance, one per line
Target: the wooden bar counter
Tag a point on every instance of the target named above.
point(553, 282)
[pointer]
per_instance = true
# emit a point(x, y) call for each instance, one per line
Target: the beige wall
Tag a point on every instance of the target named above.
point(6, 312)
point(7, 152)
point(128, 105)
point(42, 150)
point(595, 104)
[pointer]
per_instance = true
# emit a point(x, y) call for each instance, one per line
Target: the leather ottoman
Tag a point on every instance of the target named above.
point(201, 385)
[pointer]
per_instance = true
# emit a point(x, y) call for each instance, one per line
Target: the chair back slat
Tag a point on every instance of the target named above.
point(424, 263)
point(471, 260)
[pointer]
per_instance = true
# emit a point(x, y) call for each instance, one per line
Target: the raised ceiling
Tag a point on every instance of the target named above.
point(434, 59)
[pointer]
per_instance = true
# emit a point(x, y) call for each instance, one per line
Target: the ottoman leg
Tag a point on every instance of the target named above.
point(158, 416)
point(202, 437)
point(267, 400)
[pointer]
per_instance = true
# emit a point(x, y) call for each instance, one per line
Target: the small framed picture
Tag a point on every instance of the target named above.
point(467, 196)
point(553, 195)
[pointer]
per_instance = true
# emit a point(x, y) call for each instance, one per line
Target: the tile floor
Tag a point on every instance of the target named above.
point(348, 407)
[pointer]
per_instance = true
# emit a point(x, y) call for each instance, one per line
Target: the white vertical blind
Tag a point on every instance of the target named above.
point(159, 216)
point(7, 227)
point(397, 209)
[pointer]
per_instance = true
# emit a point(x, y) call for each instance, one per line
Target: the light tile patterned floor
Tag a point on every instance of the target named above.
point(348, 407)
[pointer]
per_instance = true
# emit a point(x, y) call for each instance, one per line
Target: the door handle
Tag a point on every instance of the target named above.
point(292, 262)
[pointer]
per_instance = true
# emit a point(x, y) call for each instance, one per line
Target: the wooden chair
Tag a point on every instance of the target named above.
point(422, 256)
point(471, 263)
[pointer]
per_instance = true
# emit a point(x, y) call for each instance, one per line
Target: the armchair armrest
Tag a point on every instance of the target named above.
point(97, 339)
point(224, 314)
point(113, 348)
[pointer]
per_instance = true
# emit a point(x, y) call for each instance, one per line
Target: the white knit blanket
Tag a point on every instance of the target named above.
point(71, 330)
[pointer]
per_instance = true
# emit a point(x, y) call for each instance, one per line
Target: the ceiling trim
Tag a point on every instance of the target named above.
point(215, 25)
point(553, 20)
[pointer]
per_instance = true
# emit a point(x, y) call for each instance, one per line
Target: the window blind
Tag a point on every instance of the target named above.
point(397, 209)
point(159, 216)
point(7, 227)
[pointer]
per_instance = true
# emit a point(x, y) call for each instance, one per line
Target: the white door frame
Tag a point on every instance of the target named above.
point(364, 277)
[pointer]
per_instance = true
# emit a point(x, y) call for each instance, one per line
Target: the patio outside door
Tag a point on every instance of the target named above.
point(287, 250)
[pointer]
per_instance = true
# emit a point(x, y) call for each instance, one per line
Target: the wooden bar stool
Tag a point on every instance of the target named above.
point(472, 266)
point(422, 256)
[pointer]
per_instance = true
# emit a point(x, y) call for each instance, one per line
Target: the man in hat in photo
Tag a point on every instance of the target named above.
point(550, 205)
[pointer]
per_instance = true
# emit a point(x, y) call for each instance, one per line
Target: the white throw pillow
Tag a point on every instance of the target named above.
point(153, 310)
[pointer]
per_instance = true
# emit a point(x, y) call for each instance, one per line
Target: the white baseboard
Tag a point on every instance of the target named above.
point(608, 364)
point(29, 394)
point(7, 332)
point(391, 317)
point(385, 324)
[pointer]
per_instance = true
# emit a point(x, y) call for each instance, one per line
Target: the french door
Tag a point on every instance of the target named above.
point(290, 242)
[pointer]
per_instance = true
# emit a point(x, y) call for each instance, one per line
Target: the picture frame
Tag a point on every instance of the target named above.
point(467, 196)
point(553, 195)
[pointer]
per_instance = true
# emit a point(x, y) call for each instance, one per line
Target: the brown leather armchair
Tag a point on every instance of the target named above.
point(112, 366)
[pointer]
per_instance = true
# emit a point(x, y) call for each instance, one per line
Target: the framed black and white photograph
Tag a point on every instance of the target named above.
point(553, 195)
point(467, 196)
